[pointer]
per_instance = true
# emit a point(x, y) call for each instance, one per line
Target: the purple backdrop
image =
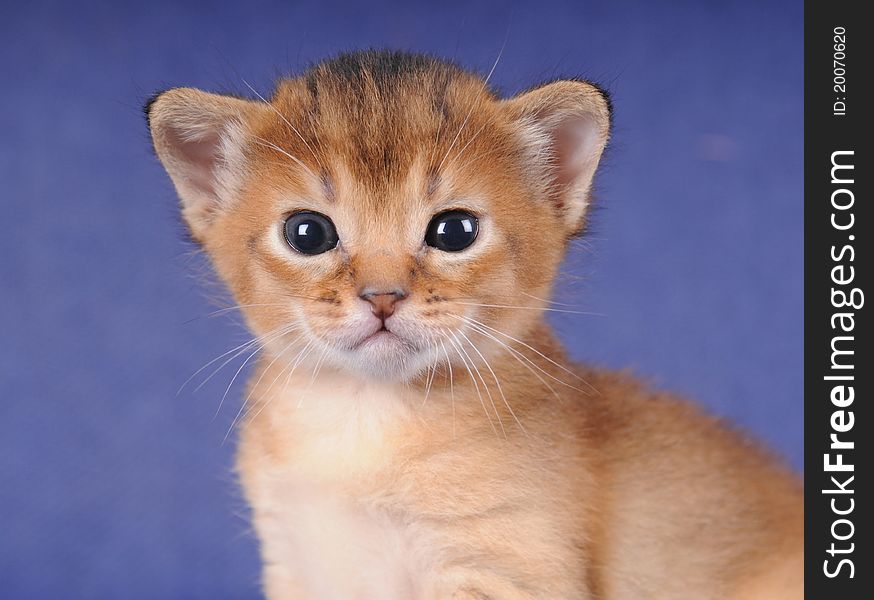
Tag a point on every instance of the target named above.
point(111, 486)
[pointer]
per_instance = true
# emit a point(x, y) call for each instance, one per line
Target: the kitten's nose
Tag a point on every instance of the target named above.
point(382, 304)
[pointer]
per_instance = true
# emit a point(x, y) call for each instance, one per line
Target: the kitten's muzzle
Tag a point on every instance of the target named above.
point(382, 303)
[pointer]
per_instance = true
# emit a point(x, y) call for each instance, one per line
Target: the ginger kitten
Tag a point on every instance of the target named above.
point(413, 430)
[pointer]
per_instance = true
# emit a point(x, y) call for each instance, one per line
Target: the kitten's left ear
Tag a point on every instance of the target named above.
point(566, 125)
point(200, 139)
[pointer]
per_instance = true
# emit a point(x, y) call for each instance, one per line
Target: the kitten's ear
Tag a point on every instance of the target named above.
point(200, 140)
point(566, 125)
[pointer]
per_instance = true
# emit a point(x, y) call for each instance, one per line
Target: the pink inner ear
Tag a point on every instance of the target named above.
point(574, 138)
point(199, 153)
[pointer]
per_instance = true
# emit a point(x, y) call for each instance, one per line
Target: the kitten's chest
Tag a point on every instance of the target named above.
point(332, 545)
point(327, 503)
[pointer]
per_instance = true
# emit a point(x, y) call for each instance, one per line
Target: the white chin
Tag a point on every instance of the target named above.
point(386, 355)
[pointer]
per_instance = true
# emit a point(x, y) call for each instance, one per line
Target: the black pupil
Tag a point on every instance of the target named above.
point(310, 233)
point(452, 231)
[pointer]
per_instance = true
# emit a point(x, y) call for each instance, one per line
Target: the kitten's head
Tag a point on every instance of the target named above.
point(385, 210)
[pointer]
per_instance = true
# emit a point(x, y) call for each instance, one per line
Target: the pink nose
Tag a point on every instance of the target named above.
point(382, 304)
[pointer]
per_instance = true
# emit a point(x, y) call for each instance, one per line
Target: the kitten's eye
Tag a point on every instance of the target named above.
point(310, 233)
point(452, 231)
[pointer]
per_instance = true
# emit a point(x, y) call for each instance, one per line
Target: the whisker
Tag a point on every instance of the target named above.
point(488, 393)
point(547, 301)
point(495, 377)
point(546, 309)
point(451, 383)
point(316, 368)
point(223, 311)
point(533, 349)
point(258, 382)
point(475, 384)
point(239, 349)
point(299, 162)
point(469, 142)
point(439, 126)
point(480, 156)
point(432, 373)
point(242, 348)
point(473, 107)
point(234, 378)
point(298, 360)
point(291, 367)
point(245, 362)
point(287, 122)
point(521, 358)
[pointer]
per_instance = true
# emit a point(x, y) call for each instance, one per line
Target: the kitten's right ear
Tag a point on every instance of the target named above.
point(200, 139)
point(566, 124)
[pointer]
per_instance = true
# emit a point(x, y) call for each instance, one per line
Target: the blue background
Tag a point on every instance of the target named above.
point(111, 486)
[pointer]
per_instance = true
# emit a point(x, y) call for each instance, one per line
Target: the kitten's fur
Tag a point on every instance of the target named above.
point(458, 458)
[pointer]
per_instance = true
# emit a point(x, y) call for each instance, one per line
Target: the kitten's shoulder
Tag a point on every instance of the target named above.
point(629, 410)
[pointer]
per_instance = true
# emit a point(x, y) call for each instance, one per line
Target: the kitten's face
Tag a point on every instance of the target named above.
point(381, 250)
point(384, 225)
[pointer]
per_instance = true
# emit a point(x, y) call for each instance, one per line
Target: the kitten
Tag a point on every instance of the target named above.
point(391, 229)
